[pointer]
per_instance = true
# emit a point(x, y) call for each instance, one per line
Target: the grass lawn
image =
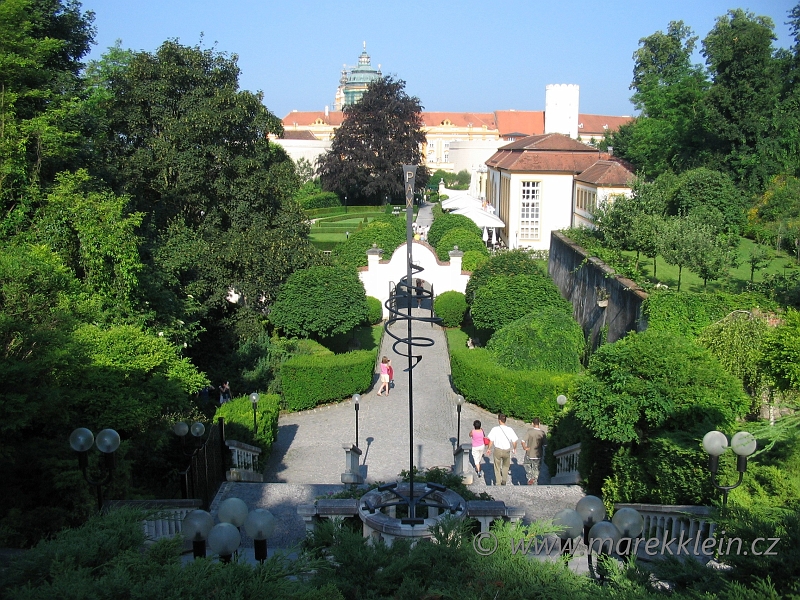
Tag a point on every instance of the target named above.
point(737, 279)
point(368, 336)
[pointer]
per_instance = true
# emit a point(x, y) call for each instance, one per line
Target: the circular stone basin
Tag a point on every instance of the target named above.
point(379, 525)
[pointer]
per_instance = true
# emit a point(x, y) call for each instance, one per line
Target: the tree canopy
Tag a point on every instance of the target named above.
point(380, 133)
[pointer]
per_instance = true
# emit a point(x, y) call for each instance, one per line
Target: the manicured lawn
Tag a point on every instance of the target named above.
point(737, 279)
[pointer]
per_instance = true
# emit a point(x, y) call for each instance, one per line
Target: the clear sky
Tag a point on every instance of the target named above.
point(454, 55)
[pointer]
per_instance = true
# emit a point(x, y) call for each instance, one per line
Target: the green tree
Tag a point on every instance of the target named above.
point(781, 353)
point(320, 302)
point(759, 258)
point(709, 196)
point(682, 238)
point(670, 92)
point(380, 133)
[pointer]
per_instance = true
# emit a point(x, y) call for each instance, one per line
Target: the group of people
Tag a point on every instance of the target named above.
point(420, 232)
point(501, 442)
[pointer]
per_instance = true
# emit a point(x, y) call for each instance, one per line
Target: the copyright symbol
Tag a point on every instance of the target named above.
point(485, 543)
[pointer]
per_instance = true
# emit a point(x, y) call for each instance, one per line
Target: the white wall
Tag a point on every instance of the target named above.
point(379, 277)
point(555, 207)
point(308, 149)
point(469, 154)
point(561, 109)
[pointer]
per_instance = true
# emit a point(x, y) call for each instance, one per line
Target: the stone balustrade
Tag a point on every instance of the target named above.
point(673, 524)
point(163, 518)
point(567, 465)
point(244, 458)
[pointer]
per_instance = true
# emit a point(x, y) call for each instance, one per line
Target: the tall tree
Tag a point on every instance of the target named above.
point(744, 93)
point(669, 91)
point(380, 133)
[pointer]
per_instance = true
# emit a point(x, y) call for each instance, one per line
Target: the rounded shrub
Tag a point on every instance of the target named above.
point(472, 259)
point(465, 239)
point(386, 232)
point(546, 340)
point(445, 222)
point(506, 262)
point(450, 307)
point(375, 310)
point(505, 299)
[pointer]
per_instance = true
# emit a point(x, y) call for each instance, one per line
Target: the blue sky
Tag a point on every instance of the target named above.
point(455, 56)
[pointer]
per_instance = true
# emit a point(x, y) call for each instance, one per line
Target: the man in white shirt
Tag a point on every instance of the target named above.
point(502, 440)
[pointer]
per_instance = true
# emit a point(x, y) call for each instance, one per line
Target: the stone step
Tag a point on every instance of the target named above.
point(282, 499)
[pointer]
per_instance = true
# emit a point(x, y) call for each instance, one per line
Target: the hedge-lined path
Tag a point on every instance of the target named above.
point(309, 444)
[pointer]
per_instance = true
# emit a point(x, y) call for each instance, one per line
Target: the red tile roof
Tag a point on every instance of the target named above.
point(529, 122)
point(301, 134)
point(459, 119)
point(553, 152)
point(607, 173)
point(598, 124)
point(308, 118)
point(549, 141)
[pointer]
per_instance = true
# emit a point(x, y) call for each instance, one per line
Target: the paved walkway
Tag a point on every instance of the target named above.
point(307, 459)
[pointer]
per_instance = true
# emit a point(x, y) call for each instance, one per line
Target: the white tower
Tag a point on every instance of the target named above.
point(561, 109)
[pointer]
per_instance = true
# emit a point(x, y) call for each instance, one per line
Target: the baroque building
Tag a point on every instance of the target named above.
point(354, 81)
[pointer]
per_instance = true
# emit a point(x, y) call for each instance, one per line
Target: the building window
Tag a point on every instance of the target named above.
point(446, 157)
point(587, 199)
point(529, 211)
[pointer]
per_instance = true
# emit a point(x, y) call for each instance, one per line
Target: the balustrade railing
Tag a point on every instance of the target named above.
point(672, 525)
point(162, 518)
point(567, 465)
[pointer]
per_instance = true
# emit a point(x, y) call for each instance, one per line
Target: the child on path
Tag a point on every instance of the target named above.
point(386, 365)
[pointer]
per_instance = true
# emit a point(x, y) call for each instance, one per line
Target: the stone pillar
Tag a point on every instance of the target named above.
point(462, 466)
point(352, 472)
point(456, 256)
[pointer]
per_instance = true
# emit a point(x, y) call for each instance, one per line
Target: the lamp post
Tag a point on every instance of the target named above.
point(459, 403)
point(715, 443)
point(254, 400)
point(196, 526)
point(81, 440)
point(346, 235)
point(562, 400)
point(571, 527)
point(345, 203)
point(259, 525)
point(356, 402)
point(592, 511)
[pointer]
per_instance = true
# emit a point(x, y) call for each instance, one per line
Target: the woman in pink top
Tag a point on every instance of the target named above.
point(386, 364)
point(478, 447)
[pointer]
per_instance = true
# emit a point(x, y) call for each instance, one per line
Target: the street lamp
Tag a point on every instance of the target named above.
point(562, 400)
point(715, 443)
point(196, 526)
point(224, 540)
point(592, 511)
point(459, 403)
point(259, 525)
point(345, 203)
point(81, 440)
point(570, 525)
point(356, 401)
point(254, 400)
point(346, 235)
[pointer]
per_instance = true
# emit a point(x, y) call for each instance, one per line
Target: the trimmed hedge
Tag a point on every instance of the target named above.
point(319, 200)
point(238, 415)
point(450, 306)
point(312, 380)
point(519, 394)
point(473, 259)
point(504, 262)
point(465, 239)
point(375, 310)
point(547, 340)
point(447, 222)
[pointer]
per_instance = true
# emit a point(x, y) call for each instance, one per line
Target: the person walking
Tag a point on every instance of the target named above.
point(225, 393)
point(478, 445)
point(386, 364)
point(533, 444)
point(502, 440)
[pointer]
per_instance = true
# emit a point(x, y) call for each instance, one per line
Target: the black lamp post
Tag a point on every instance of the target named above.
point(345, 203)
point(356, 401)
point(254, 400)
point(459, 403)
point(715, 443)
point(81, 440)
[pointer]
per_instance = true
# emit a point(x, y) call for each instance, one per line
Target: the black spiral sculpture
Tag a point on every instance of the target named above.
point(404, 346)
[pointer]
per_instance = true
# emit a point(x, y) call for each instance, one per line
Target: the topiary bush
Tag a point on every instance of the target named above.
point(319, 200)
point(312, 380)
point(519, 394)
point(472, 259)
point(320, 302)
point(238, 415)
point(386, 232)
point(465, 239)
point(446, 222)
point(505, 262)
point(450, 307)
point(502, 300)
point(374, 311)
point(545, 340)
point(656, 381)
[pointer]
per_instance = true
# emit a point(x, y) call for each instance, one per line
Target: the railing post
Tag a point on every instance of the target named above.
point(222, 448)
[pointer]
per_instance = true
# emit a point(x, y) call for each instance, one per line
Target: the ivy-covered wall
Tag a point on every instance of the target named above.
point(585, 281)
